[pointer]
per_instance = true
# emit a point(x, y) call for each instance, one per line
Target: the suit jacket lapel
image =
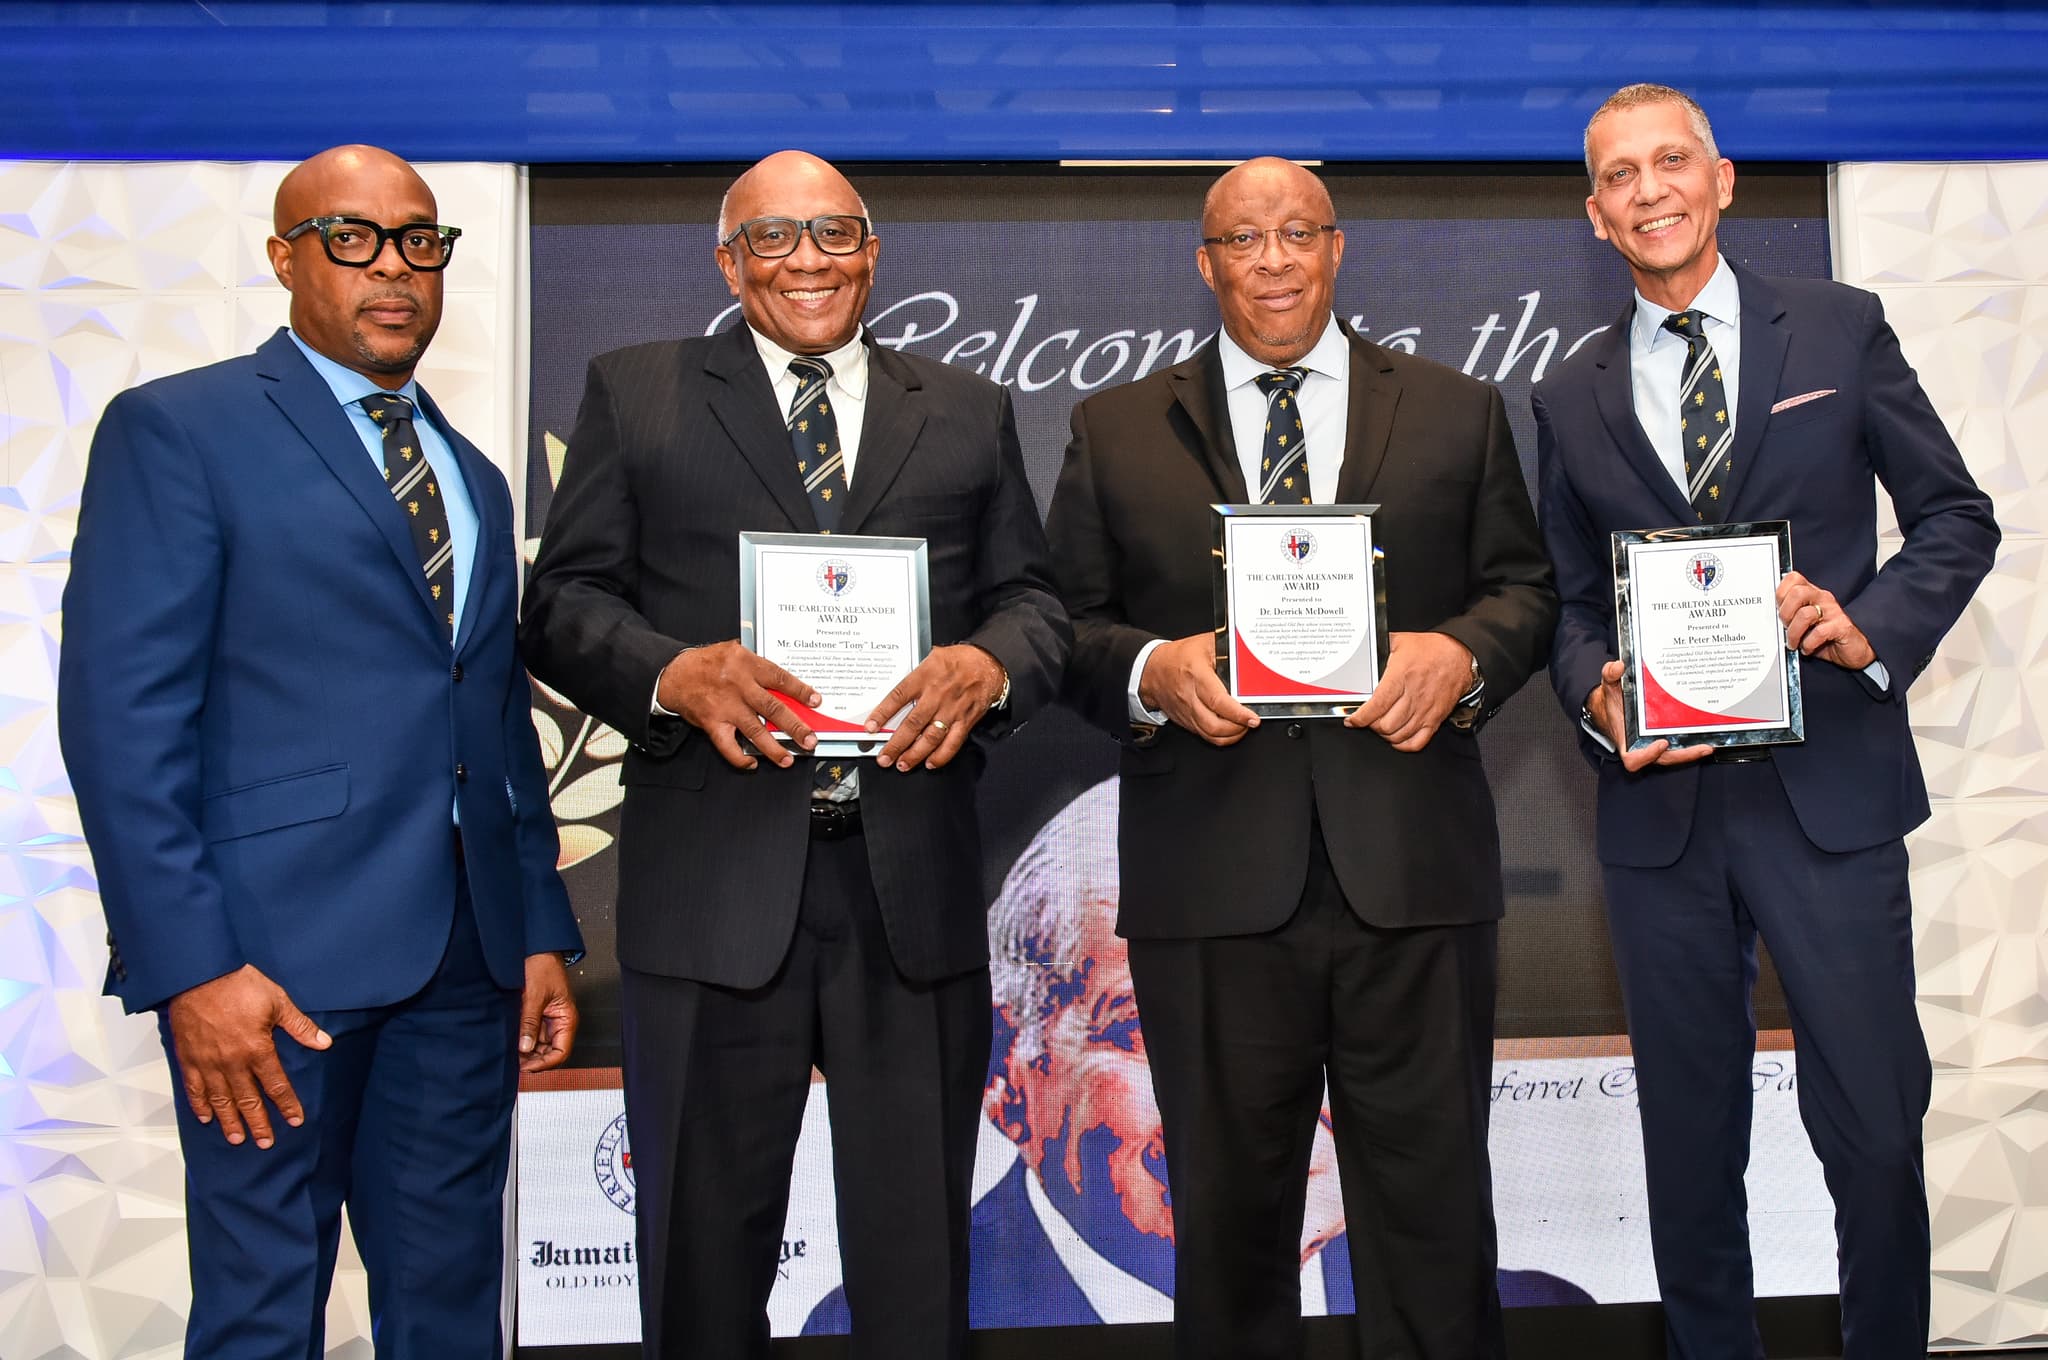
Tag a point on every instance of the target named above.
point(1615, 394)
point(1368, 420)
point(1198, 388)
point(1765, 341)
point(889, 428)
point(743, 402)
point(308, 403)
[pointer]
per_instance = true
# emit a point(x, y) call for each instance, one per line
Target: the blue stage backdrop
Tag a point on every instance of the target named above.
point(1058, 285)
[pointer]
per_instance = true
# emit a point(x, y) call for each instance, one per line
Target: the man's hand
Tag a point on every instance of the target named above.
point(723, 690)
point(1180, 681)
point(1817, 625)
point(222, 1031)
point(547, 1014)
point(948, 693)
point(1426, 675)
point(1605, 704)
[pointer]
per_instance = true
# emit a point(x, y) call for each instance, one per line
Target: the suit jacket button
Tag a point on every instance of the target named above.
point(461, 773)
point(1294, 731)
point(457, 672)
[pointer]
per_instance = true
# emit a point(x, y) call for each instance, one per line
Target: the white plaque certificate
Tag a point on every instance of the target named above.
point(1300, 607)
point(1703, 653)
point(847, 615)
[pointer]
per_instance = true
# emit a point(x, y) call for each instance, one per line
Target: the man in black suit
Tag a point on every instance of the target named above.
point(1803, 843)
point(1308, 900)
point(777, 911)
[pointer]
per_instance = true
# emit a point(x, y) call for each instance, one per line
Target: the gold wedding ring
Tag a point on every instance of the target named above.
point(1819, 613)
point(939, 725)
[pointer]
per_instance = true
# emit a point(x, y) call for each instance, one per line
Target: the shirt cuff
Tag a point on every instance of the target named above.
point(1879, 676)
point(1140, 713)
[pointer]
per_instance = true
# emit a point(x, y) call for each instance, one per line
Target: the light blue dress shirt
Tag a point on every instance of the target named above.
point(349, 388)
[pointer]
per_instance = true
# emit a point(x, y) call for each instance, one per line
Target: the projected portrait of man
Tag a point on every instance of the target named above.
point(1070, 1086)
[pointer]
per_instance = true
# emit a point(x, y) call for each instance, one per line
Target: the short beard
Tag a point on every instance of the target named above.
point(373, 362)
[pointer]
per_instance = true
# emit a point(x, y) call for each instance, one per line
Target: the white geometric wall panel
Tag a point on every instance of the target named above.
point(111, 275)
point(1959, 253)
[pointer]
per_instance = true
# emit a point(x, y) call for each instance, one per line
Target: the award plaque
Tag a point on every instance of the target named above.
point(847, 615)
point(1704, 661)
point(1301, 607)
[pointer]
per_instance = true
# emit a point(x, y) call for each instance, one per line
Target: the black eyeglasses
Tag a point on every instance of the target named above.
point(1299, 237)
point(771, 238)
point(357, 242)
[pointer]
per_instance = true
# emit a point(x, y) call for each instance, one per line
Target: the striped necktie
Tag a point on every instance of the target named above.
point(814, 435)
point(1283, 464)
point(1706, 428)
point(418, 492)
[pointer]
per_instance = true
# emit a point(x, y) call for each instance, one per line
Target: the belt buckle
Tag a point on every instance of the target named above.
point(1740, 755)
point(832, 821)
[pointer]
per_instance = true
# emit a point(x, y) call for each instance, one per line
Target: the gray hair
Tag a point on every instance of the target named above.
point(1635, 97)
point(1035, 926)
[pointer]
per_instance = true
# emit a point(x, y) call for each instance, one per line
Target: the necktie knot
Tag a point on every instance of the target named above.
point(387, 409)
point(1280, 380)
point(809, 368)
point(1689, 324)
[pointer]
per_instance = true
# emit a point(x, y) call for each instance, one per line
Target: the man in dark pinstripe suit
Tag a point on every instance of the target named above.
point(769, 918)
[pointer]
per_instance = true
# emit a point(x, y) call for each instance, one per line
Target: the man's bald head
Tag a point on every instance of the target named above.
point(1275, 296)
point(318, 179)
point(377, 318)
point(807, 302)
point(772, 170)
point(1264, 172)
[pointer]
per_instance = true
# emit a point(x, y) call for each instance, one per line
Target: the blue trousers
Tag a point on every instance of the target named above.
point(1840, 931)
point(408, 1120)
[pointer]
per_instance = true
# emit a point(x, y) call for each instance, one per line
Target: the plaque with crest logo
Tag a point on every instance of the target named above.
point(1704, 661)
point(849, 615)
point(1301, 607)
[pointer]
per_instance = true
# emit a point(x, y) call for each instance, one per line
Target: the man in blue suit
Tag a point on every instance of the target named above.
point(1702, 849)
point(298, 730)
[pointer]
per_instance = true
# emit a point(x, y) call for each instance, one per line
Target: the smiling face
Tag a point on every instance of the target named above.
point(377, 320)
point(808, 302)
point(1657, 196)
point(1276, 300)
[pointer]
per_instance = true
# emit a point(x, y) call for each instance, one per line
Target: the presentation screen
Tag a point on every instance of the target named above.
point(1058, 283)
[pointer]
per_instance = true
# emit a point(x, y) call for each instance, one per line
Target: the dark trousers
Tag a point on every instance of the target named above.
point(1242, 1033)
point(1840, 930)
point(408, 1120)
point(716, 1082)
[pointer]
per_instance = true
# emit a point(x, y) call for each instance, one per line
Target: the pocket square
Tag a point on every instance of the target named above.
point(1803, 398)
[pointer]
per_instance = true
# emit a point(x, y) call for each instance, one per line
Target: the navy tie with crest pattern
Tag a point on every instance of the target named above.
point(418, 493)
point(1706, 430)
point(1283, 466)
point(814, 435)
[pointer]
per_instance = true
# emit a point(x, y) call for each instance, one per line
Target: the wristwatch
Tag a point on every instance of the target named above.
point(1466, 714)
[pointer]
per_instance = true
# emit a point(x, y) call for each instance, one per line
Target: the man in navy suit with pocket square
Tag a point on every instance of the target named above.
point(1703, 849)
point(299, 732)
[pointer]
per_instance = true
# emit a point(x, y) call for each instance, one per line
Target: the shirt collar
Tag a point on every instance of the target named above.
point(1114, 1294)
point(1331, 357)
point(349, 386)
point(849, 362)
point(1721, 299)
